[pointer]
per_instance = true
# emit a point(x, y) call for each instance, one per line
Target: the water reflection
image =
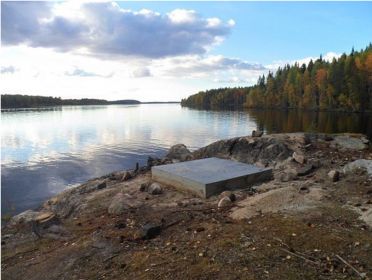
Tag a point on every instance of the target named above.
point(326, 122)
point(43, 152)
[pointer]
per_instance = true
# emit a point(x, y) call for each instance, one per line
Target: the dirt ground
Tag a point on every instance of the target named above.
point(301, 227)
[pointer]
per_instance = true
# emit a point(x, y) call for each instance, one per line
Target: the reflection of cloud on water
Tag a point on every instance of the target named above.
point(27, 186)
point(45, 152)
point(84, 133)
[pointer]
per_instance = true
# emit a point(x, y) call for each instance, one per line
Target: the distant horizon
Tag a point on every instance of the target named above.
point(166, 50)
point(36, 95)
point(21, 101)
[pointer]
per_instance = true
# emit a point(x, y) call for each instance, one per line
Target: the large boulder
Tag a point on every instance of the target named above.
point(41, 217)
point(24, 217)
point(266, 150)
point(179, 152)
point(363, 164)
point(350, 142)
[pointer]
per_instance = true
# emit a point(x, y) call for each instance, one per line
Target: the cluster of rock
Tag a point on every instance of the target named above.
point(284, 155)
point(263, 150)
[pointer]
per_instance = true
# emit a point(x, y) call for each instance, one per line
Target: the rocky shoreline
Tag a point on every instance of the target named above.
point(312, 221)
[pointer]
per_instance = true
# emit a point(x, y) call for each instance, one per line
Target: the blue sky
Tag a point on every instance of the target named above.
point(167, 50)
point(269, 31)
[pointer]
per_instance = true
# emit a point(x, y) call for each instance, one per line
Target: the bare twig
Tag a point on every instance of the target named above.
point(110, 258)
point(282, 242)
point(195, 209)
point(298, 256)
point(20, 253)
point(361, 275)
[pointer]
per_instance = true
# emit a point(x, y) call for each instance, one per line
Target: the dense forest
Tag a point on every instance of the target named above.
point(343, 84)
point(30, 101)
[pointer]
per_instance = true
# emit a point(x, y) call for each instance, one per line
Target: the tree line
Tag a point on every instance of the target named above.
point(32, 101)
point(343, 84)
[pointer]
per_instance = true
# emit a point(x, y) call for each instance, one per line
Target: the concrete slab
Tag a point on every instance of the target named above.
point(210, 176)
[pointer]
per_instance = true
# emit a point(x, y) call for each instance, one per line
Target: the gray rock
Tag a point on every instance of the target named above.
point(364, 140)
point(101, 186)
point(149, 231)
point(351, 143)
point(247, 150)
point(359, 164)
point(257, 133)
point(298, 158)
point(144, 187)
point(334, 175)
point(118, 205)
point(24, 217)
point(179, 152)
point(57, 229)
point(228, 194)
point(66, 203)
point(91, 187)
point(224, 202)
point(126, 176)
point(305, 170)
point(57, 232)
point(41, 218)
point(190, 201)
point(153, 162)
point(154, 189)
point(121, 203)
point(121, 176)
point(287, 176)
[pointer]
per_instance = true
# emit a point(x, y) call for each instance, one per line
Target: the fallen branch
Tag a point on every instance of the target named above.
point(361, 275)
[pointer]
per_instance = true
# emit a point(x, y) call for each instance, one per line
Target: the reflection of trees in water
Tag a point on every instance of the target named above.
point(327, 122)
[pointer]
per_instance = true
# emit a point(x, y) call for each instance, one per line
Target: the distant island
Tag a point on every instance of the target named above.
point(13, 101)
point(343, 84)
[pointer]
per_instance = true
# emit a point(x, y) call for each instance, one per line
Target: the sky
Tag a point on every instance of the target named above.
point(165, 51)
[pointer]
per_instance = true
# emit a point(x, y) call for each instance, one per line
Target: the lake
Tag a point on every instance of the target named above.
point(46, 151)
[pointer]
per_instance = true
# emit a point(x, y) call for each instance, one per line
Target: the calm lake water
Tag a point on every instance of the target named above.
point(46, 151)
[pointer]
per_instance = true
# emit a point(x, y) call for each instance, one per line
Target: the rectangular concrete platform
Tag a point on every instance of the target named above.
point(210, 176)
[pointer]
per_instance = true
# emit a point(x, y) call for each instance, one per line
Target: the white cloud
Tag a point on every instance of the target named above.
point(105, 30)
point(60, 49)
point(196, 66)
point(83, 73)
point(180, 16)
point(141, 72)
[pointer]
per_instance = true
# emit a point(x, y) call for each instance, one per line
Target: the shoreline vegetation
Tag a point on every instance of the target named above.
point(18, 101)
point(344, 84)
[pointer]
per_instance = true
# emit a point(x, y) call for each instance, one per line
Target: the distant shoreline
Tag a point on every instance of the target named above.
point(52, 107)
point(20, 102)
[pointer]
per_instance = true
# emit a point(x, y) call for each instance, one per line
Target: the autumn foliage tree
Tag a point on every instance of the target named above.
point(341, 84)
